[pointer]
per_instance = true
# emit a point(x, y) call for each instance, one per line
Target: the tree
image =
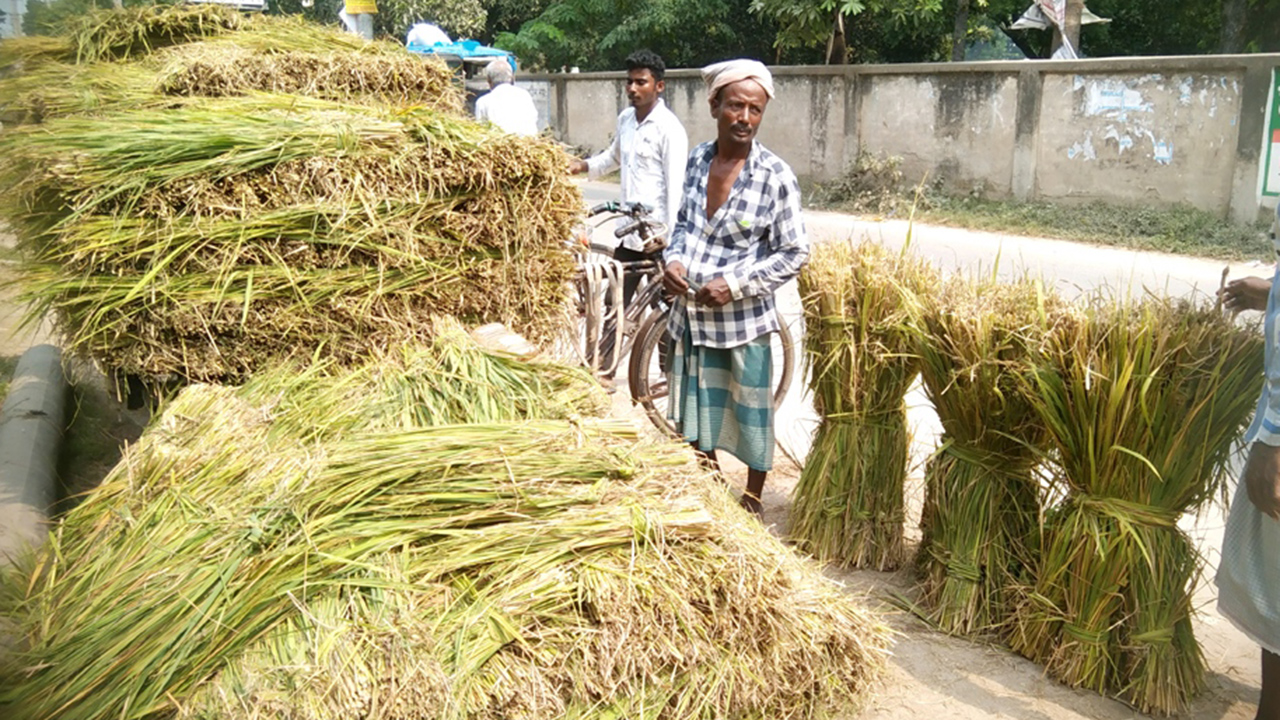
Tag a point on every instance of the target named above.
point(458, 18)
point(599, 34)
point(812, 23)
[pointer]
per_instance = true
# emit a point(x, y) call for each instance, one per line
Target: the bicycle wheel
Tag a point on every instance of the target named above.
point(650, 361)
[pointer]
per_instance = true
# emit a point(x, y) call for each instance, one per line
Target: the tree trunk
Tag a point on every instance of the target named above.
point(961, 31)
point(1234, 13)
point(837, 53)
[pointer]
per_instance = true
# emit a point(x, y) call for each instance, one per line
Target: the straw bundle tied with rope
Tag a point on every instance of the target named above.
point(859, 302)
point(309, 547)
point(981, 514)
point(202, 242)
point(1143, 402)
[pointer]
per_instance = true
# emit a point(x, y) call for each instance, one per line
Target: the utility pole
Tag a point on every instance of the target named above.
point(960, 31)
point(1070, 29)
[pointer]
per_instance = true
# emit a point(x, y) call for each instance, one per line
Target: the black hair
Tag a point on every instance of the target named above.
point(647, 60)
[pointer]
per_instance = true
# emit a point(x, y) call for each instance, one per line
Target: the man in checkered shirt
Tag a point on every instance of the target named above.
point(737, 238)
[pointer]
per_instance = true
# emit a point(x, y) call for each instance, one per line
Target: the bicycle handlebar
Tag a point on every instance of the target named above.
point(631, 209)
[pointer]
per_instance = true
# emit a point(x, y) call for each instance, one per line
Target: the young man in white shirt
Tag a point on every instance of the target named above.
point(650, 147)
point(509, 107)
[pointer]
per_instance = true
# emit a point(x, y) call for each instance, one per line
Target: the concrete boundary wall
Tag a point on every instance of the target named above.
point(1161, 130)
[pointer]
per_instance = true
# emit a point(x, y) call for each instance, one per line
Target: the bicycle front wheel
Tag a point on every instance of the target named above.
point(651, 361)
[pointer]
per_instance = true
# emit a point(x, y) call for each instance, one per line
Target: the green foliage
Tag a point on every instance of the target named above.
point(809, 23)
point(8, 364)
point(599, 34)
point(458, 18)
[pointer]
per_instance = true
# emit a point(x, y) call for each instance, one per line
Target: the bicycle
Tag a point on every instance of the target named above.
point(643, 332)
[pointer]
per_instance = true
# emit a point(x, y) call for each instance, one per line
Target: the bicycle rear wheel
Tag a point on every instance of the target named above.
point(651, 358)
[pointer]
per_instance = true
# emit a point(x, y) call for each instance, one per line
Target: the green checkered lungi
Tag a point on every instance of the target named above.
point(722, 398)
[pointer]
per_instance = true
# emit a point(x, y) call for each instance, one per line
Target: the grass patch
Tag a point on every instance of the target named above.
point(1183, 230)
point(874, 185)
point(8, 364)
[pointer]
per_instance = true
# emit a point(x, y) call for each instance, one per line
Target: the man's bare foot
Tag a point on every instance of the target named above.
point(752, 504)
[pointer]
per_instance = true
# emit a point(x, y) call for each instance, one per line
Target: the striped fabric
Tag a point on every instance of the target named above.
point(722, 398)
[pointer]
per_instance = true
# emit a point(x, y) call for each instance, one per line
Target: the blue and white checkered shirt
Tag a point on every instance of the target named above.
point(756, 241)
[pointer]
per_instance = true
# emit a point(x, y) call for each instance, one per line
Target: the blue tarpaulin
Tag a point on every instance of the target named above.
point(462, 50)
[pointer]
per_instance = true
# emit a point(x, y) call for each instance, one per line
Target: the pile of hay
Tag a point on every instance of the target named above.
point(208, 51)
point(1143, 403)
point(860, 305)
point(980, 521)
point(202, 239)
point(306, 547)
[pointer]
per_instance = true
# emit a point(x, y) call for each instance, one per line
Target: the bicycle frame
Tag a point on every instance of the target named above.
point(610, 327)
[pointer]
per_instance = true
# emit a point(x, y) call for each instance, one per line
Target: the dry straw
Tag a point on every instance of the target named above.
point(42, 78)
point(981, 514)
point(1143, 403)
point(860, 302)
point(306, 548)
point(206, 241)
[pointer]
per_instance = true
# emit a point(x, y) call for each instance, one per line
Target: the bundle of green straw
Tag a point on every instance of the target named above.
point(204, 242)
point(271, 552)
point(1142, 402)
point(860, 302)
point(43, 78)
point(982, 498)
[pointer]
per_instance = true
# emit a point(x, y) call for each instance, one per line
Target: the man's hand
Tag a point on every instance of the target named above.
point(673, 280)
point(714, 294)
point(577, 167)
point(1262, 478)
point(1246, 294)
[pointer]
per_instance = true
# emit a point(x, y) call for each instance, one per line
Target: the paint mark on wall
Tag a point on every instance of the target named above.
point(1163, 152)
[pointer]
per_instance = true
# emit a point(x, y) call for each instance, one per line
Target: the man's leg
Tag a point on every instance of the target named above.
point(1269, 702)
point(707, 459)
point(755, 490)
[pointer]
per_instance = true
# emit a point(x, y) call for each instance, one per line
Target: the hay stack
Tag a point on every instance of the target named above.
point(262, 553)
point(982, 497)
point(1143, 403)
point(859, 301)
point(201, 241)
point(44, 78)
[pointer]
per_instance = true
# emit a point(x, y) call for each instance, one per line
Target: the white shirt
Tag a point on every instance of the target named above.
point(652, 155)
point(510, 108)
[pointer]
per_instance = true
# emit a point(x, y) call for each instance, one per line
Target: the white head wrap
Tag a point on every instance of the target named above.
point(731, 71)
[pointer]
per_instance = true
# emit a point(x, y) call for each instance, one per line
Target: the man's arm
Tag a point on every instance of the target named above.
point(791, 247)
point(1246, 294)
point(602, 162)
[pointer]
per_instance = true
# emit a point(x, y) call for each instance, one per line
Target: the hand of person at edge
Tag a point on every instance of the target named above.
point(715, 293)
point(577, 167)
point(673, 280)
point(1246, 294)
point(1262, 478)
